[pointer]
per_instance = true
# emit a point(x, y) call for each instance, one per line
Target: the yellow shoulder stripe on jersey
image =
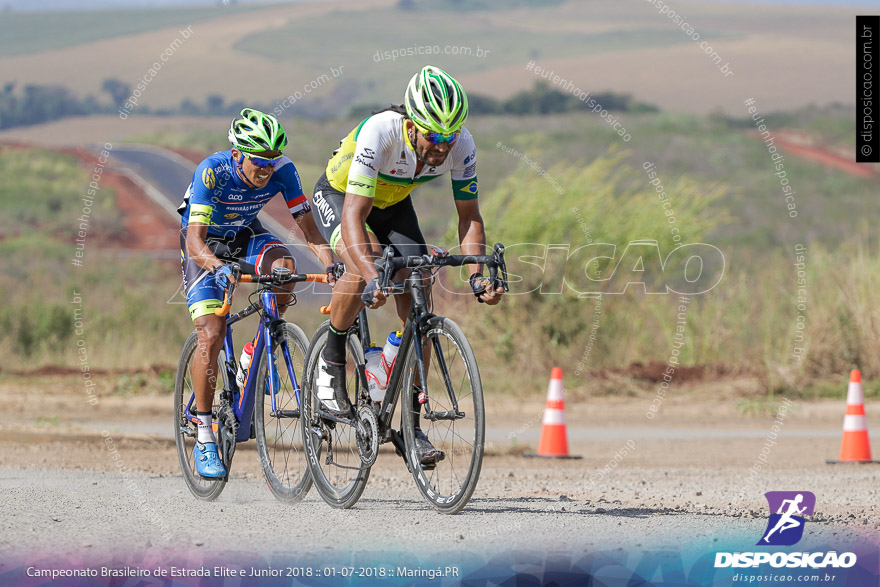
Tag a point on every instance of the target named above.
point(361, 185)
point(200, 213)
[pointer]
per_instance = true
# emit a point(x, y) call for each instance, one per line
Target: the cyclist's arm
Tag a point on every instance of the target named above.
point(319, 246)
point(354, 233)
point(197, 249)
point(201, 211)
point(472, 236)
point(372, 144)
point(302, 212)
point(471, 233)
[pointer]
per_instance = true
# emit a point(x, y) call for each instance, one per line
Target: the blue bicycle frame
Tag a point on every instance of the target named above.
point(243, 400)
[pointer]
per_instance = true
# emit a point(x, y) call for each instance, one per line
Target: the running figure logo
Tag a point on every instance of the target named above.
point(786, 525)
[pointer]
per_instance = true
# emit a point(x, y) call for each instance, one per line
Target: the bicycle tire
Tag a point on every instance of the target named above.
point(185, 431)
point(450, 485)
point(288, 481)
point(331, 482)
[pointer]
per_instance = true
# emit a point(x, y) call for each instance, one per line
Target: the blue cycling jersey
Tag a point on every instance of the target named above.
point(220, 198)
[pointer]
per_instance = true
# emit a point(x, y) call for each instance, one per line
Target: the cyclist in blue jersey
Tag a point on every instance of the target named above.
point(220, 226)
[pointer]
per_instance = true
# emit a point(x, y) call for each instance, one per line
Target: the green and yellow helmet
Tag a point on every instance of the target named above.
point(435, 101)
point(256, 131)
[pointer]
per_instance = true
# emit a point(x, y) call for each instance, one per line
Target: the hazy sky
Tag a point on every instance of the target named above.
point(35, 5)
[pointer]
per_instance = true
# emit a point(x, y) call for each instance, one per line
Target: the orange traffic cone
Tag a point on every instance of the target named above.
point(554, 442)
point(855, 446)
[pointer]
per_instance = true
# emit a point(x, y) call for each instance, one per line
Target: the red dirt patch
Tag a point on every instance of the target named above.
point(54, 370)
point(147, 226)
point(805, 147)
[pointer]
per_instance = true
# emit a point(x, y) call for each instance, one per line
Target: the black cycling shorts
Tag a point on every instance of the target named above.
point(396, 226)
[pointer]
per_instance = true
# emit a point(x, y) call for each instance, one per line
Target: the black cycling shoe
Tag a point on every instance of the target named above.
point(330, 385)
point(428, 454)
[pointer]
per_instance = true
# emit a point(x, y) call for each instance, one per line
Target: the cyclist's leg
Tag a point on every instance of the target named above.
point(203, 297)
point(265, 251)
point(398, 227)
point(345, 301)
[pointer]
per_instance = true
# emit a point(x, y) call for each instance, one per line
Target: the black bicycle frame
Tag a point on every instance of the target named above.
point(419, 317)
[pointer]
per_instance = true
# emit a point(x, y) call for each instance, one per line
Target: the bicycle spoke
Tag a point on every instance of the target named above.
point(339, 473)
point(278, 434)
point(452, 384)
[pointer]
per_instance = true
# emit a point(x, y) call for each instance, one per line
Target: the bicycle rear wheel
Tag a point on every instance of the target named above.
point(279, 440)
point(339, 474)
point(452, 374)
point(185, 430)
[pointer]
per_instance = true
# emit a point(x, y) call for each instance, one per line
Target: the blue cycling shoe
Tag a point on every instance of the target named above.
point(208, 462)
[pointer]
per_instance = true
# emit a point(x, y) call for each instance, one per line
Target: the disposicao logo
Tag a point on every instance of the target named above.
point(785, 528)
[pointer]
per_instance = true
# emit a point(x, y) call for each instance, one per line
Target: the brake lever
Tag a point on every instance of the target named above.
point(223, 310)
point(381, 265)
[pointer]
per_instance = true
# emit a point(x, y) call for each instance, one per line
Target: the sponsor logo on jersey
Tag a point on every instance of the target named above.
point(470, 188)
point(471, 156)
point(341, 162)
point(369, 153)
point(208, 178)
point(364, 162)
point(234, 196)
point(470, 170)
point(325, 211)
point(232, 215)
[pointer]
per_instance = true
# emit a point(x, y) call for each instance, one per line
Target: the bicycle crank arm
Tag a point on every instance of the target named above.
point(333, 418)
point(444, 415)
point(399, 445)
point(286, 413)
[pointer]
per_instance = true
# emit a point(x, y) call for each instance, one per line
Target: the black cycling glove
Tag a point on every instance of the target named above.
point(478, 284)
point(370, 291)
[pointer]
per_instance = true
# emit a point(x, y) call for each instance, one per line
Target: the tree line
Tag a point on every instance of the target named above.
point(36, 104)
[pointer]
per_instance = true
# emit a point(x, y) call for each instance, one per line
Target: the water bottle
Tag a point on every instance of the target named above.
point(244, 362)
point(389, 352)
point(376, 378)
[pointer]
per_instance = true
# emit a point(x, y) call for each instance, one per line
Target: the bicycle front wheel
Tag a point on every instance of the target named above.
point(456, 399)
point(279, 440)
point(339, 473)
point(185, 430)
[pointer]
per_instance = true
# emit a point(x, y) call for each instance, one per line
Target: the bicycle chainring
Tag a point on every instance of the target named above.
point(367, 430)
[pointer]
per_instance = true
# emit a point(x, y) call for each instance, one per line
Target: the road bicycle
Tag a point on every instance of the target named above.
point(266, 407)
point(443, 392)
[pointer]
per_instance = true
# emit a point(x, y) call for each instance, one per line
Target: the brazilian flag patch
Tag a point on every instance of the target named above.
point(208, 178)
point(470, 188)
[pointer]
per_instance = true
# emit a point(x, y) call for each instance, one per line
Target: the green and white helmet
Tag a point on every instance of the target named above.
point(256, 131)
point(435, 101)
